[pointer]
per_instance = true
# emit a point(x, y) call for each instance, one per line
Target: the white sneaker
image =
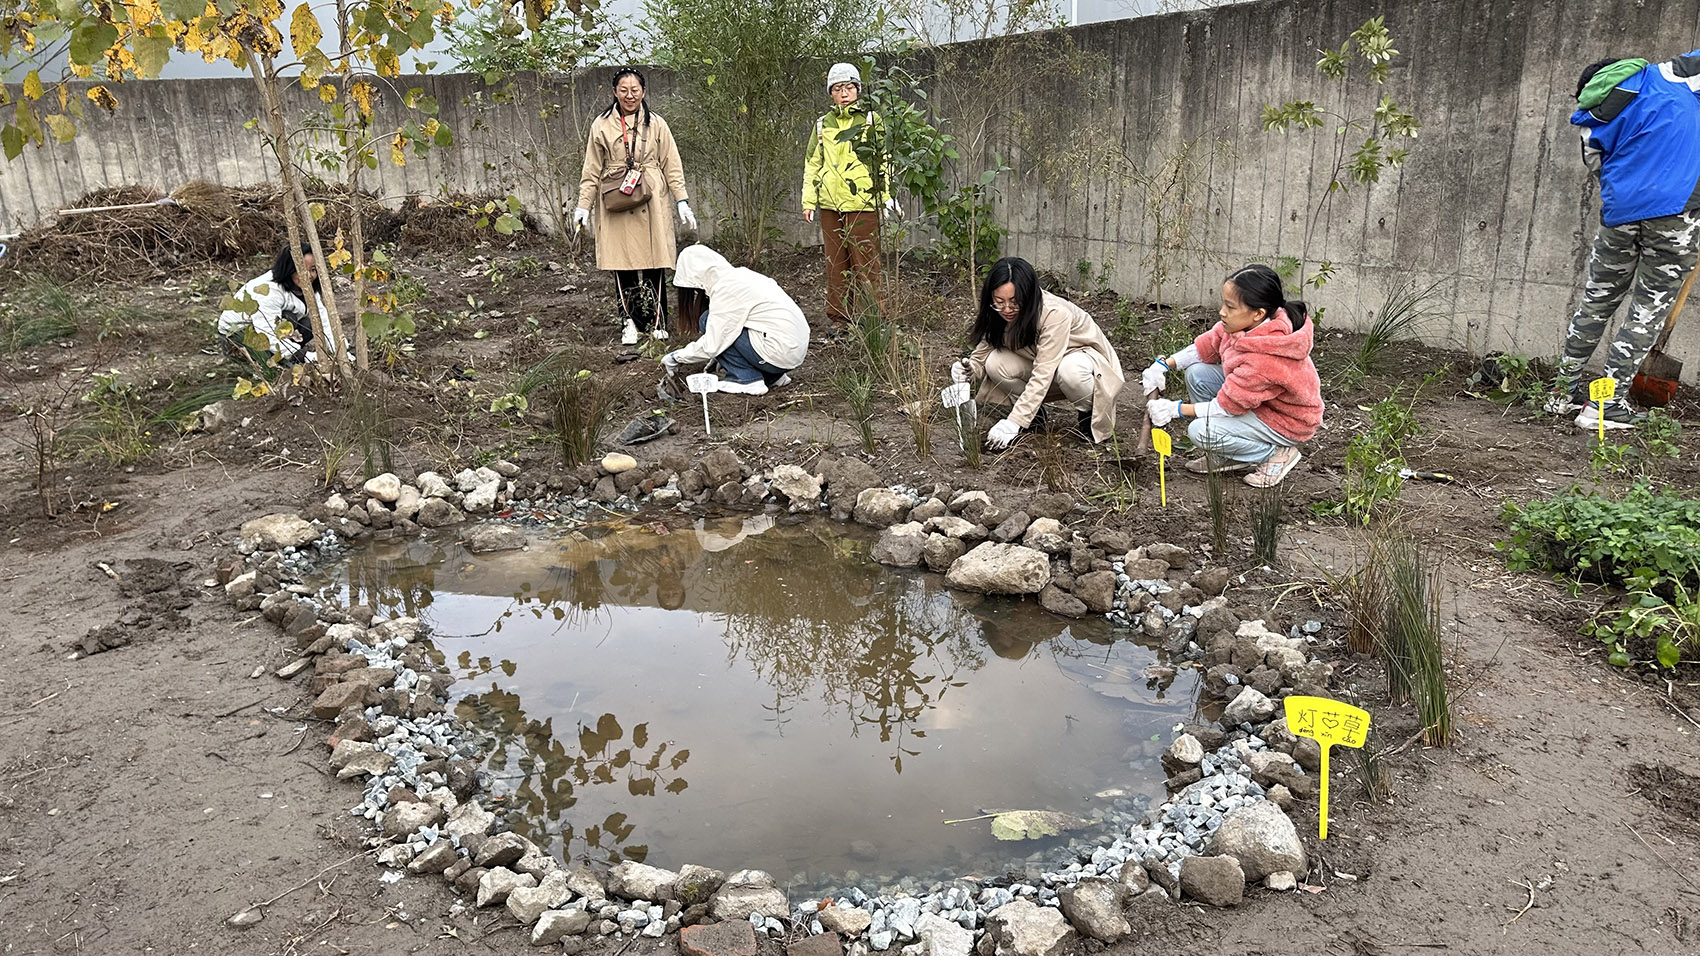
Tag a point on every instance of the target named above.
point(659, 335)
point(630, 335)
point(757, 387)
point(783, 381)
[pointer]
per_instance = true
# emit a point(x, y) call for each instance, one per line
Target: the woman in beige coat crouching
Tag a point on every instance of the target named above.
point(1032, 347)
point(631, 151)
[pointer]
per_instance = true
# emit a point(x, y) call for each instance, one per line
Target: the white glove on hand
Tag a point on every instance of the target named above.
point(961, 372)
point(1162, 411)
point(1002, 434)
point(1155, 378)
point(581, 218)
point(809, 215)
point(670, 362)
point(893, 208)
point(686, 216)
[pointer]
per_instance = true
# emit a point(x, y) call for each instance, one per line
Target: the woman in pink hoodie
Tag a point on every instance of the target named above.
point(1254, 392)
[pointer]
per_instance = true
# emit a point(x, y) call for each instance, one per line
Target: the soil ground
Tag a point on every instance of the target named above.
point(149, 792)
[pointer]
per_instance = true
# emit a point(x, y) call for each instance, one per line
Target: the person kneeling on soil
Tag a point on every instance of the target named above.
point(749, 326)
point(1032, 347)
point(278, 297)
point(1254, 391)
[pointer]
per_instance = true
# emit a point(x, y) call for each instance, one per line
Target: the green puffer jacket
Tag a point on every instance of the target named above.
point(834, 177)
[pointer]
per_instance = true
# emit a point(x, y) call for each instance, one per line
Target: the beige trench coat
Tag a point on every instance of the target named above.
point(640, 238)
point(1063, 328)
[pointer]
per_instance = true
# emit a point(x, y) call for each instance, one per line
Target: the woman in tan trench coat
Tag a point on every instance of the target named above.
point(1031, 347)
point(635, 244)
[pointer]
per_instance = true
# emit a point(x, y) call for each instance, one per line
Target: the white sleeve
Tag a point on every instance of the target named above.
point(1186, 358)
point(267, 316)
point(1207, 410)
point(718, 334)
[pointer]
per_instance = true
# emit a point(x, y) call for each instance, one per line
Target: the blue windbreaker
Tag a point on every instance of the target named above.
point(1644, 141)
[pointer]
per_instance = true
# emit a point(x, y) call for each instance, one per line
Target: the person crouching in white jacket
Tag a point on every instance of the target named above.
point(278, 296)
point(748, 324)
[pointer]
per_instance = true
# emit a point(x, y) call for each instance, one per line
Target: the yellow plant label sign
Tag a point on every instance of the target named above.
point(1602, 389)
point(1160, 441)
point(1328, 722)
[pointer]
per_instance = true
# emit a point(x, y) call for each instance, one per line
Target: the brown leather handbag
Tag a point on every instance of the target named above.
point(625, 189)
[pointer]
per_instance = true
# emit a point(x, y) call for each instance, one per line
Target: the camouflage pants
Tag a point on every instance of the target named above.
point(1646, 260)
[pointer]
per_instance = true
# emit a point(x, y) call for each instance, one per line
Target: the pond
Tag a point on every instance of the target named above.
point(737, 693)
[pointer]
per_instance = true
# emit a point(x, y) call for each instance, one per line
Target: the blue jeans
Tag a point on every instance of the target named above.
point(741, 362)
point(1240, 438)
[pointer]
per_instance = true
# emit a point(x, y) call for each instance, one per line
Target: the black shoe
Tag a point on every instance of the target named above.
point(1083, 427)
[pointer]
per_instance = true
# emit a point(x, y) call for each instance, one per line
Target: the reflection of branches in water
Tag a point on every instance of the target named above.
point(547, 777)
point(886, 659)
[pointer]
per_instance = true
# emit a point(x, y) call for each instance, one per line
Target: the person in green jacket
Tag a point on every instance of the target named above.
point(839, 187)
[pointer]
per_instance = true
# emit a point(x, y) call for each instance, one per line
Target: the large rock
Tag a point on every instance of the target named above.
point(1217, 880)
point(339, 696)
point(432, 485)
point(880, 507)
point(276, 532)
point(493, 537)
point(941, 552)
point(1097, 590)
point(1185, 752)
point(845, 479)
point(722, 465)
point(1262, 839)
point(826, 944)
point(467, 819)
point(1060, 602)
point(697, 884)
point(1095, 908)
point(1212, 581)
point(1023, 928)
point(502, 850)
point(385, 487)
point(746, 892)
point(993, 568)
point(938, 936)
point(1047, 535)
point(736, 938)
point(1273, 768)
point(1050, 505)
point(407, 505)
point(497, 882)
point(615, 463)
point(481, 498)
point(434, 859)
point(527, 903)
point(900, 546)
point(1251, 706)
point(848, 920)
point(638, 881)
point(556, 925)
point(1011, 528)
point(957, 528)
point(796, 486)
point(404, 819)
point(437, 513)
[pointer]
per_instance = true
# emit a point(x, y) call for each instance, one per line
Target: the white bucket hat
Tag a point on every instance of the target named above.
point(843, 73)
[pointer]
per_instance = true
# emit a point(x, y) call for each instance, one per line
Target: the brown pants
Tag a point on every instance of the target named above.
point(852, 241)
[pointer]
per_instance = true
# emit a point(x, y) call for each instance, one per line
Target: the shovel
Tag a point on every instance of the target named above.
point(1655, 384)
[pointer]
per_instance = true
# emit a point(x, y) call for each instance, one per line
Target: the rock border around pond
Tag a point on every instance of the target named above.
point(385, 689)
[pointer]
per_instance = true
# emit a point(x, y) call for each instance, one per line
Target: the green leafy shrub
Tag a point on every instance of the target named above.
point(1644, 535)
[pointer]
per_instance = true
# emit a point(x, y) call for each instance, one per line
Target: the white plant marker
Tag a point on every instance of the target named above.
point(953, 395)
point(702, 383)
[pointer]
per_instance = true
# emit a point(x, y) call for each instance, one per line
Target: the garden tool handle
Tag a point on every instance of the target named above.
point(1145, 428)
point(1676, 310)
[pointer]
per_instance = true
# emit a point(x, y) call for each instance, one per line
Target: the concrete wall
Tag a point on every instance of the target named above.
point(1493, 203)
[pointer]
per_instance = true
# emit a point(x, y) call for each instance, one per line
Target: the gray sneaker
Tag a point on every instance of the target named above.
point(1619, 414)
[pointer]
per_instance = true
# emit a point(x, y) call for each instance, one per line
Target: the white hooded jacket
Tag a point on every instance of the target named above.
point(741, 299)
point(274, 304)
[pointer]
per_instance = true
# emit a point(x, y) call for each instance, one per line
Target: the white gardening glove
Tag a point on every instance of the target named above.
point(1002, 434)
point(893, 208)
point(670, 362)
point(686, 216)
point(1162, 411)
point(1154, 378)
point(581, 218)
point(961, 372)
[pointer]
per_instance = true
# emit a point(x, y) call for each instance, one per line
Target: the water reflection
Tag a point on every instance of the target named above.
point(795, 669)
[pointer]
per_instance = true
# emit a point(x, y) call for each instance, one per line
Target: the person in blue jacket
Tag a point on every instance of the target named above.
point(1641, 136)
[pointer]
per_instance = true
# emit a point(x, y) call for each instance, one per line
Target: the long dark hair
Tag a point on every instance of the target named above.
point(989, 325)
point(643, 105)
point(1261, 288)
point(692, 304)
point(283, 269)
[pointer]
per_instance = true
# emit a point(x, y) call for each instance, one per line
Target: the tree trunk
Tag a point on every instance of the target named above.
point(353, 140)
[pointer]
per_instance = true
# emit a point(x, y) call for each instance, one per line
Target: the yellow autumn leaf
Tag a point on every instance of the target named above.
point(32, 85)
point(63, 128)
point(337, 259)
point(398, 153)
point(103, 98)
point(361, 93)
point(304, 31)
point(327, 91)
point(385, 62)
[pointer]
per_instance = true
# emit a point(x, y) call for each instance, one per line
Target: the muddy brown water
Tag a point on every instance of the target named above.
point(745, 694)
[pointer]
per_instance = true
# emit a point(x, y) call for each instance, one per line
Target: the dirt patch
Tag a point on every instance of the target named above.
point(1669, 789)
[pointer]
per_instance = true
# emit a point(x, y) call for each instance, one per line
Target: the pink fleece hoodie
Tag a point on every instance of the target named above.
point(1268, 373)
